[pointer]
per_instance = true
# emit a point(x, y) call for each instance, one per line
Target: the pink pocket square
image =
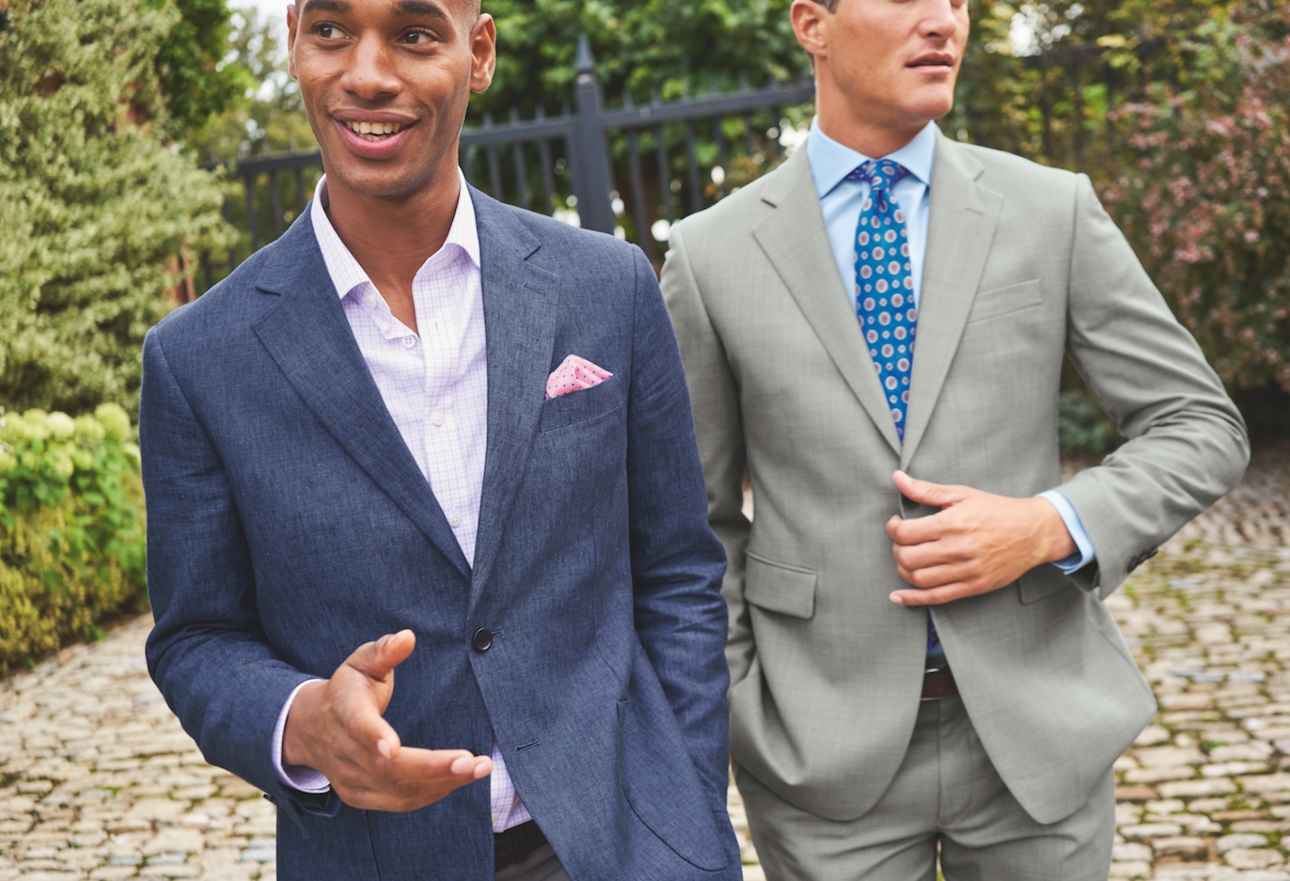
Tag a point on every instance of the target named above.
point(574, 374)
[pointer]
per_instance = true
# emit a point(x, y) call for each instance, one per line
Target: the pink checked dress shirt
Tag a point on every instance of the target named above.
point(435, 386)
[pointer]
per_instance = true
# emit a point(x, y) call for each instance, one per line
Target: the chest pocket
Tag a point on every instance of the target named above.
point(1006, 300)
point(580, 406)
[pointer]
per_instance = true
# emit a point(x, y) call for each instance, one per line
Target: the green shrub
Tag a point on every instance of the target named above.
point(71, 528)
point(94, 206)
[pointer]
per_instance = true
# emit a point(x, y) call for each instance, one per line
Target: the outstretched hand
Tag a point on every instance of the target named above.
point(977, 543)
point(336, 727)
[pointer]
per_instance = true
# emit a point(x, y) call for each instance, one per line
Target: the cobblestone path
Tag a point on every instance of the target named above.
point(98, 781)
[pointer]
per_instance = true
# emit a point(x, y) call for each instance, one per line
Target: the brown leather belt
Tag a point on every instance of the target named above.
point(939, 684)
point(516, 844)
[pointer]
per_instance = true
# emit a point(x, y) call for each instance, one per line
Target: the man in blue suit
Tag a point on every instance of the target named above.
point(430, 432)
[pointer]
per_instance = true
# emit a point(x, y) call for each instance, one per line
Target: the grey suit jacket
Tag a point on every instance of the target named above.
point(1023, 267)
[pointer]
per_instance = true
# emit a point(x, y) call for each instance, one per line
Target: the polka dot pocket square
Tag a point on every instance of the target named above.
point(574, 374)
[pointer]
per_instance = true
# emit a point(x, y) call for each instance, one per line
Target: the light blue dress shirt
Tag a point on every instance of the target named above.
point(841, 202)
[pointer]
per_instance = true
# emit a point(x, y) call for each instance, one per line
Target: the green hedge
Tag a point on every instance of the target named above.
point(71, 528)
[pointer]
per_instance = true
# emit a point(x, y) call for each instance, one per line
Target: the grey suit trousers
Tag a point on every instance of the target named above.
point(946, 796)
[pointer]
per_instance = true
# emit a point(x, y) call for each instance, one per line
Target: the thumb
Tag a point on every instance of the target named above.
point(378, 659)
point(925, 492)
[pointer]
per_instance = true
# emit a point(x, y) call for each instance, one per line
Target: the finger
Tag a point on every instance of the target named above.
point(378, 659)
point(925, 492)
point(358, 708)
point(418, 764)
point(934, 576)
point(925, 555)
point(935, 596)
point(920, 531)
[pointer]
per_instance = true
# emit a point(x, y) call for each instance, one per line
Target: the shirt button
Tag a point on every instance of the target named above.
point(437, 417)
point(370, 300)
point(455, 520)
point(409, 342)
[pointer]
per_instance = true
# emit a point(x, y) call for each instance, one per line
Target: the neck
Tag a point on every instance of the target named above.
point(391, 238)
point(864, 129)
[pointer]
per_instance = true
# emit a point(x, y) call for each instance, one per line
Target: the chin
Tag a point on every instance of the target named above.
point(934, 106)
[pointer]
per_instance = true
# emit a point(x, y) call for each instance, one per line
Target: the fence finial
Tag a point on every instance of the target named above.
point(586, 63)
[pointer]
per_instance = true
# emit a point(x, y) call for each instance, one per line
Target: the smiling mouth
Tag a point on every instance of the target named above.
point(375, 131)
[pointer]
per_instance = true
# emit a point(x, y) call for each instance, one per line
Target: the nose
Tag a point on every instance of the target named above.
point(371, 73)
point(942, 19)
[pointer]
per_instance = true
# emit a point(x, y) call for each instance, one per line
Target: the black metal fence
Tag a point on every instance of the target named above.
point(630, 170)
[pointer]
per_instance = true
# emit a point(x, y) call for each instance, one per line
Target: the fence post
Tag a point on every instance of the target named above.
point(591, 181)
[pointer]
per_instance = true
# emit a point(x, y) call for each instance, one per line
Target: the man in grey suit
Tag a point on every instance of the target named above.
point(922, 663)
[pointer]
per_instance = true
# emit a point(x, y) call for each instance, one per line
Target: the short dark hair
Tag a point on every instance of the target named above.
point(830, 5)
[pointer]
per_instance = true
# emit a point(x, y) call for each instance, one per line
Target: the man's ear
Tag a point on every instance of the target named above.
point(809, 18)
point(483, 50)
point(293, 22)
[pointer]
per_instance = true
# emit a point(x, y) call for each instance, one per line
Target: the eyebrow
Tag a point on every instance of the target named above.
point(406, 7)
point(421, 7)
point(335, 6)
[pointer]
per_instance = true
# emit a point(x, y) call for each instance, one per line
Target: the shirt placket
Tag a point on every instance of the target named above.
point(442, 332)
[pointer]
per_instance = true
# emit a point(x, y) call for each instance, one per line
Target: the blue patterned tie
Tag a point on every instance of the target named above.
point(885, 285)
point(884, 298)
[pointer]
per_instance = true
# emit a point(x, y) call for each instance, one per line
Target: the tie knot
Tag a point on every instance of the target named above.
point(879, 174)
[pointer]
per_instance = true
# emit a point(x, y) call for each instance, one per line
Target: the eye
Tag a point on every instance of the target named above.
point(326, 30)
point(417, 38)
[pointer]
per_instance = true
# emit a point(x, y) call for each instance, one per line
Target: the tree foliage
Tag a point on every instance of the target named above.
point(268, 115)
point(197, 81)
point(640, 46)
point(94, 207)
point(1178, 111)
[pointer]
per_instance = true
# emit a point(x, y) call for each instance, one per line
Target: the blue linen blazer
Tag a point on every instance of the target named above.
point(288, 523)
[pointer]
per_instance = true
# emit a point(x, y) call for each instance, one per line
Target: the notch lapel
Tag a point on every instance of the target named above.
point(520, 304)
point(309, 338)
point(797, 244)
point(960, 232)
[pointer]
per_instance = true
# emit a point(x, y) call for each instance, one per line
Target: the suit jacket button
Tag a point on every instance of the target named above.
point(483, 640)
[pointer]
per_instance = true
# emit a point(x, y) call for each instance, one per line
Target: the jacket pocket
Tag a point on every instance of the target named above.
point(580, 406)
point(1042, 582)
point(778, 587)
point(1002, 301)
point(663, 789)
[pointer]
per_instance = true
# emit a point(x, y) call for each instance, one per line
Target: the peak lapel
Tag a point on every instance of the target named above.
point(520, 304)
point(960, 232)
point(310, 340)
point(797, 243)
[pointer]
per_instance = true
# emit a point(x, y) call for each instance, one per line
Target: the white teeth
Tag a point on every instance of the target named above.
point(374, 130)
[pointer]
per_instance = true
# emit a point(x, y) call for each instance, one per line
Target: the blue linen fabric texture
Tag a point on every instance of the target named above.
point(288, 524)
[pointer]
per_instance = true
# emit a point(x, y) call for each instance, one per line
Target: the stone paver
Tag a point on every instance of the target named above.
point(98, 781)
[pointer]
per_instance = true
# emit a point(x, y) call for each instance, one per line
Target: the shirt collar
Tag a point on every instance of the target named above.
point(831, 162)
point(346, 273)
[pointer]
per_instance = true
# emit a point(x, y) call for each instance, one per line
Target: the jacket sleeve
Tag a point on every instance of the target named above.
point(677, 563)
point(207, 653)
point(714, 399)
point(1186, 442)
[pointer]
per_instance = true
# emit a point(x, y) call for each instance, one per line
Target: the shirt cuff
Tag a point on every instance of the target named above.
point(298, 777)
point(1083, 544)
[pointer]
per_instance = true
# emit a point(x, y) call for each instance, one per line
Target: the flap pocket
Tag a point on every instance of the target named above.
point(778, 587)
point(1001, 301)
point(1042, 582)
